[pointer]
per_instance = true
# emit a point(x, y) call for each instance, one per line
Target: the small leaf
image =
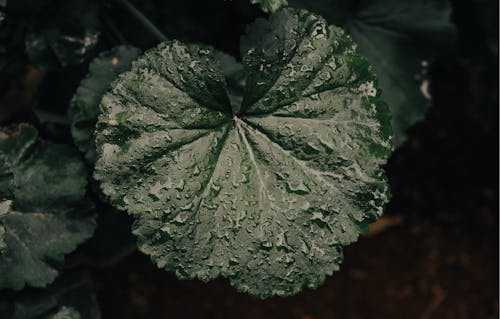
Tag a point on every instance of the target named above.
point(265, 193)
point(3, 4)
point(44, 214)
point(270, 5)
point(397, 37)
point(84, 107)
point(65, 313)
point(66, 34)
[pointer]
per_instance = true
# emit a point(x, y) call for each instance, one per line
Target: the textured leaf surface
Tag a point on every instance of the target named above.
point(84, 108)
point(396, 36)
point(70, 297)
point(42, 208)
point(265, 193)
point(270, 5)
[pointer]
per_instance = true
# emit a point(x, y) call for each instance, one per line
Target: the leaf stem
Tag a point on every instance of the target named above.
point(146, 23)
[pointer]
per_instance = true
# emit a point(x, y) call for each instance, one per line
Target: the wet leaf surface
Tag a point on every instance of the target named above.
point(398, 38)
point(266, 193)
point(84, 108)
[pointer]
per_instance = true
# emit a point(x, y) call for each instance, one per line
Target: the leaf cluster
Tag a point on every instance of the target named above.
point(259, 165)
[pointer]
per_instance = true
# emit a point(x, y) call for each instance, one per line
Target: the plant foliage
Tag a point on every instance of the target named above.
point(258, 168)
point(43, 211)
point(397, 37)
point(70, 296)
point(64, 34)
point(265, 193)
point(270, 5)
point(84, 107)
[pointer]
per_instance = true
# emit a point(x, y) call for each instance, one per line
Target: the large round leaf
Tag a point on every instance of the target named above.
point(265, 193)
point(43, 212)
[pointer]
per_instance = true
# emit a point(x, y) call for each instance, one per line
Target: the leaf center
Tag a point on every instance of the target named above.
point(237, 121)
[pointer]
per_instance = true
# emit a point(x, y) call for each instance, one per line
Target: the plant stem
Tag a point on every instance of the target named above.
point(146, 23)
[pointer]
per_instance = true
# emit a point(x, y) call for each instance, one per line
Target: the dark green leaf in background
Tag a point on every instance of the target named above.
point(265, 193)
point(71, 296)
point(270, 5)
point(396, 36)
point(64, 312)
point(234, 75)
point(4, 209)
point(66, 33)
point(43, 211)
point(84, 108)
point(3, 4)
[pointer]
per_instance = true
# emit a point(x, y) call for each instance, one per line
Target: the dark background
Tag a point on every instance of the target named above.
point(433, 255)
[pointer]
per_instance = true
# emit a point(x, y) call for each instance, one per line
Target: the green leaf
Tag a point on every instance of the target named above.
point(396, 36)
point(265, 194)
point(65, 313)
point(234, 74)
point(65, 34)
point(4, 209)
point(3, 4)
point(71, 296)
point(270, 5)
point(84, 107)
point(44, 213)
point(2, 239)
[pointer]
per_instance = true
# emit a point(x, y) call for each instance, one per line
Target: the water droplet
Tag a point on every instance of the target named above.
point(297, 188)
point(181, 218)
point(266, 245)
point(187, 207)
point(281, 241)
point(181, 185)
point(167, 228)
point(215, 189)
